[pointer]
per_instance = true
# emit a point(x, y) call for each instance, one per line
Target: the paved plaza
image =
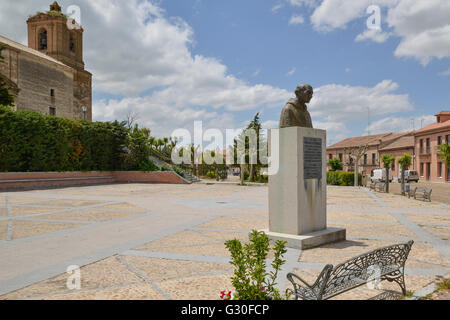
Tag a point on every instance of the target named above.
point(137, 241)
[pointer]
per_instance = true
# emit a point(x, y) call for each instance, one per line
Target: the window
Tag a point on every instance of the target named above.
point(340, 157)
point(72, 44)
point(365, 159)
point(330, 156)
point(43, 40)
point(421, 146)
point(440, 169)
point(52, 111)
point(393, 166)
point(439, 140)
point(421, 169)
point(52, 92)
point(428, 145)
point(374, 158)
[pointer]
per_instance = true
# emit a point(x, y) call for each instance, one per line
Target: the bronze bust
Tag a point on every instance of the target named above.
point(295, 113)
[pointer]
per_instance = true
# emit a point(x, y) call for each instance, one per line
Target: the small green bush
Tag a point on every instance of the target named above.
point(211, 174)
point(340, 178)
point(251, 280)
point(179, 171)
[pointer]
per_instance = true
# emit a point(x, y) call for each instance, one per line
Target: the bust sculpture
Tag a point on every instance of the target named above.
point(295, 113)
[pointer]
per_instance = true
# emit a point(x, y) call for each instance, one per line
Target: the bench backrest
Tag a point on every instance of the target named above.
point(355, 271)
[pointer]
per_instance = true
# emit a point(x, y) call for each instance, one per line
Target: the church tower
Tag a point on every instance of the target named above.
point(54, 34)
point(61, 38)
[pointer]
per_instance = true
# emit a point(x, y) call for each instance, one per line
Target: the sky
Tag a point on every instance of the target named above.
point(173, 62)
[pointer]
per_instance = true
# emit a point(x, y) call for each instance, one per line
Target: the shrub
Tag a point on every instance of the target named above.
point(335, 164)
point(179, 171)
point(340, 178)
point(251, 280)
point(31, 141)
point(211, 174)
point(148, 166)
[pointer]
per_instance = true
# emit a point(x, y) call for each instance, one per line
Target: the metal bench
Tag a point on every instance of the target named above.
point(387, 263)
point(423, 193)
point(380, 186)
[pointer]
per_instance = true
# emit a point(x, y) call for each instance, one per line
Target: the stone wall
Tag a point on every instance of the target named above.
point(37, 78)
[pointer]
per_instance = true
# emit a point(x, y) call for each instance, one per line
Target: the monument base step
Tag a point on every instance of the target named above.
point(310, 240)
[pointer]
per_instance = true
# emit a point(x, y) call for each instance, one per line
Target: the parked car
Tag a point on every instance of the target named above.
point(410, 175)
point(380, 175)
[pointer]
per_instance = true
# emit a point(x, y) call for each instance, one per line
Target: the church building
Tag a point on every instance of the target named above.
point(49, 75)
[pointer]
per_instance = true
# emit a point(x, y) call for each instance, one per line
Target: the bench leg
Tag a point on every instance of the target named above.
point(399, 278)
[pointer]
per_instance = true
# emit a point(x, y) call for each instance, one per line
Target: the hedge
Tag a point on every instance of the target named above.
point(340, 178)
point(34, 142)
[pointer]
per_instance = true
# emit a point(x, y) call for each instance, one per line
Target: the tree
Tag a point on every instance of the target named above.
point(444, 153)
point(387, 160)
point(335, 164)
point(405, 162)
point(356, 155)
point(6, 98)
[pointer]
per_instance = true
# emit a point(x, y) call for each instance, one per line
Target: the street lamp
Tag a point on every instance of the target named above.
point(84, 109)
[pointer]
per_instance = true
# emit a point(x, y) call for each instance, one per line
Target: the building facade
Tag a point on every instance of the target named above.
point(427, 142)
point(423, 145)
point(49, 76)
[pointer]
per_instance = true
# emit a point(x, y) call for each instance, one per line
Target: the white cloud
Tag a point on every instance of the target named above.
point(296, 19)
point(270, 124)
point(445, 73)
point(277, 7)
point(308, 3)
point(135, 50)
point(343, 103)
point(291, 72)
point(422, 26)
point(400, 124)
point(374, 35)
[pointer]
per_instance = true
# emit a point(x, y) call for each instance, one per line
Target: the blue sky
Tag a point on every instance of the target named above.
point(173, 62)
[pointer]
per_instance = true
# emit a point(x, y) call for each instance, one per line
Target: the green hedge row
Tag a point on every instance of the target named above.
point(34, 142)
point(340, 178)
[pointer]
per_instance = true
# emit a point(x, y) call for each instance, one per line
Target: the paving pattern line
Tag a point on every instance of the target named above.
point(9, 231)
point(64, 210)
point(71, 230)
point(27, 279)
point(139, 274)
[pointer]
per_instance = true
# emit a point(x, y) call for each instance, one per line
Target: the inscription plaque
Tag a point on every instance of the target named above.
point(312, 158)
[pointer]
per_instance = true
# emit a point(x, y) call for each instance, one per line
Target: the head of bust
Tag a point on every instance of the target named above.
point(304, 93)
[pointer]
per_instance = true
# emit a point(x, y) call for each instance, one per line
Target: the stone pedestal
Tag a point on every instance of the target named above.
point(298, 191)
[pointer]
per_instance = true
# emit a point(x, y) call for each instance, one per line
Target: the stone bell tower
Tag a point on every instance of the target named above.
point(54, 34)
point(61, 38)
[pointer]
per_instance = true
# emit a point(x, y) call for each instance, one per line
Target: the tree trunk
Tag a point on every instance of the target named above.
point(252, 176)
point(242, 174)
point(403, 183)
point(387, 180)
point(355, 180)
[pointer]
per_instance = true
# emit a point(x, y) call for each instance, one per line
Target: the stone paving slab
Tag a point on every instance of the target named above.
point(191, 262)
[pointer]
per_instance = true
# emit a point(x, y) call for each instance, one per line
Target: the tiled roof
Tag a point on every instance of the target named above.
point(21, 47)
point(361, 141)
point(404, 142)
point(434, 126)
point(443, 113)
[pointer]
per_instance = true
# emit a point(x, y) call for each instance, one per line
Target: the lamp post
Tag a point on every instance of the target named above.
point(84, 109)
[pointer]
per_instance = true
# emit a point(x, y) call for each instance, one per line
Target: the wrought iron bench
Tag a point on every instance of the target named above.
point(423, 193)
point(387, 263)
point(380, 186)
